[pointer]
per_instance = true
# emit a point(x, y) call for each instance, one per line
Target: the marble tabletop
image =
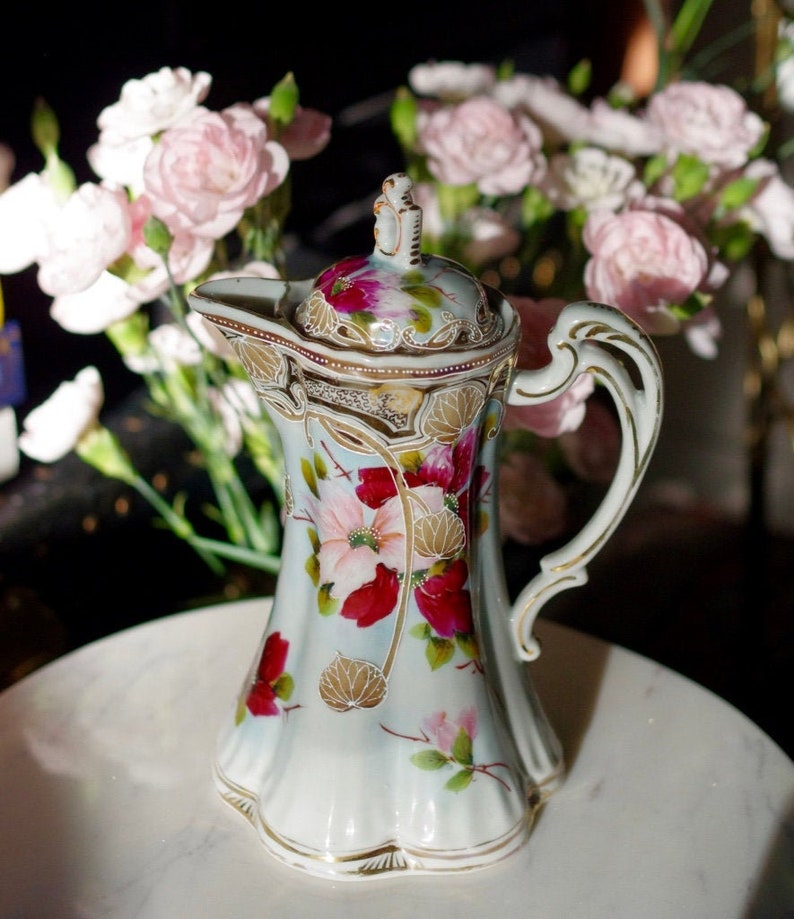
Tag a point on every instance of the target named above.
point(674, 804)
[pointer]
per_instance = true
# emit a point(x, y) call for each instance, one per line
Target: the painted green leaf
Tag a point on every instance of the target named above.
point(429, 297)
point(283, 686)
point(468, 645)
point(461, 748)
point(438, 652)
point(362, 318)
point(239, 712)
point(309, 477)
point(312, 567)
point(319, 466)
point(420, 630)
point(326, 604)
point(421, 319)
point(430, 760)
point(460, 780)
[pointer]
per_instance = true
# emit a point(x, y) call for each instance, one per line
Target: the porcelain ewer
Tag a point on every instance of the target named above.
point(388, 724)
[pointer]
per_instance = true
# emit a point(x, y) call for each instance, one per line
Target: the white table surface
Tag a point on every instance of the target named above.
point(675, 805)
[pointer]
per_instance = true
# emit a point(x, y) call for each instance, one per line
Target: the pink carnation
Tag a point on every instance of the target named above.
point(642, 262)
point(208, 169)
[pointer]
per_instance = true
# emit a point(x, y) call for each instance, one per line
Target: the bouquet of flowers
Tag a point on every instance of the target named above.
point(648, 204)
point(184, 194)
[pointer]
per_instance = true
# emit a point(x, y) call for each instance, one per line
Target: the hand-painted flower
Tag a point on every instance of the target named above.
point(445, 602)
point(373, 601)
point(443, 731)
point(262, 697)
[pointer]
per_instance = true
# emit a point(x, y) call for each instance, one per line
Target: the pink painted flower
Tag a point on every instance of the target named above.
point(352, 545)
point(263, 694)
point(642, 262)
point(443, 732)
point(445, 601)
point(481, 142)
point(209, 168)
point(706, 120)
point(350, 286)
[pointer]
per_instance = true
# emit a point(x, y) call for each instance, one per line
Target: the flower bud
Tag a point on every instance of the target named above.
point(284, 100)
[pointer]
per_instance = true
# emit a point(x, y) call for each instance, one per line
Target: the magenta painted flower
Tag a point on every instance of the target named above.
point(262, 697)
point(445, 602)
point(351, 287)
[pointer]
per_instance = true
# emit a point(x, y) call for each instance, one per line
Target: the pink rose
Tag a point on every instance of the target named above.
point(208, 169)
point(642, 262)
point(705, 120)
point(481, 142)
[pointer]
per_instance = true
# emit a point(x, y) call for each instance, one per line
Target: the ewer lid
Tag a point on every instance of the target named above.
point(397, 299)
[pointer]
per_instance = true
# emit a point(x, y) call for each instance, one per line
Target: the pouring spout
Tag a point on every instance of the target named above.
point(251, 301)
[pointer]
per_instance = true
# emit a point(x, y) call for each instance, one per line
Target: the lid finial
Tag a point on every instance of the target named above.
point(398, 224)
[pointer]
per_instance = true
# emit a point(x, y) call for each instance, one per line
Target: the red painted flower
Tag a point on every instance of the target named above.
point(445, 603)
point(377, 485)
point(373, 601)
point(262, 698)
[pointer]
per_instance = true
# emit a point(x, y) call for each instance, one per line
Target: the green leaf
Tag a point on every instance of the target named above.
point(535, 207)
point(655, 168)
point(284, 686)
point(438, 652)
point(421, 630)
point(157, 236)
point(580, 76)
point(461, 748)
point(312, 568)
point(284, 100)
point(460, 780)
point(326, 604)
point(309, 477)
point(402, 115)
point(690, 174)
point(430, 760)
point(421, 319)
point(468, 643)
point(737, 193)
point(734, 241)
point(429, 297)
point(319, 466)
point(239, 712)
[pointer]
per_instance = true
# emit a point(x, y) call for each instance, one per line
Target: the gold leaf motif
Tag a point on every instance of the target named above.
point(263, 362)
point(440, 535)
point(347, 683)
point(317, 316)
point(452, 411)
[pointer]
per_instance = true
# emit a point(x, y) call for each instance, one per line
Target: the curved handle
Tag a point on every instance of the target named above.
point(592, 338)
